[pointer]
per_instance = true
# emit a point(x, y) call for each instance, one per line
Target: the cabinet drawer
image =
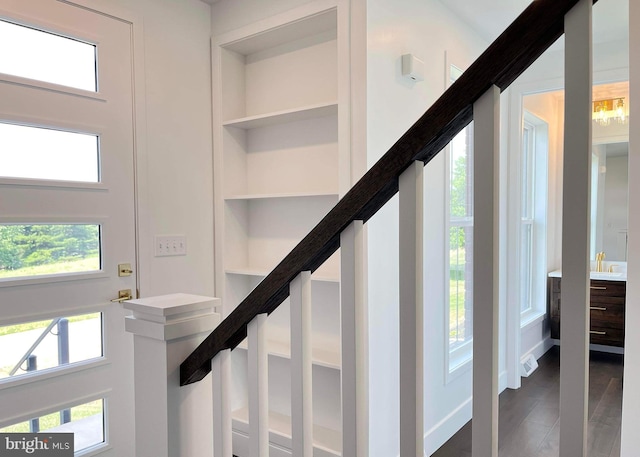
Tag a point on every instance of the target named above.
point(607, 315)
point(607, 336)
point(608, 288)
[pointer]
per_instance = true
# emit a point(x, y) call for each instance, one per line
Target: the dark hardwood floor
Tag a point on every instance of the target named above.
point(529, 416)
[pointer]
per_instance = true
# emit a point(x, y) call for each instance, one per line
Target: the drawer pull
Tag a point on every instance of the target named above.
point(598, 308)
point(595, 332)
point(598, 288)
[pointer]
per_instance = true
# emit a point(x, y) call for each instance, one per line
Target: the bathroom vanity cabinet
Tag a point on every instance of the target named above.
point(607, 306)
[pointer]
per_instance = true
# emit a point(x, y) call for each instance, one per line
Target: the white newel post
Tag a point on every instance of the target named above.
point(576, 217)
point(171, 421)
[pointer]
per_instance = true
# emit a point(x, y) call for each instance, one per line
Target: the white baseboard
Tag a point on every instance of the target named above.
point(447, 427)
point(539, 349)
point(437, 435)
point(609, 349)
point(502, 381)
point(599, 348)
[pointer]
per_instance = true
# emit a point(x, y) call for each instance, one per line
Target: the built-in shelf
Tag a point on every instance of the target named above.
point(327, 355)
point(284, 116)
point(321, 22)
point(326, 442)
point(283, 195)
point(262, 273)
point(278, 162)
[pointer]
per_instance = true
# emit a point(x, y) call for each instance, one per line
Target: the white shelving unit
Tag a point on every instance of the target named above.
point(278, 159)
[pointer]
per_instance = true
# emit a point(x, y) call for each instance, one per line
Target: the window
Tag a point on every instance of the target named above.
point(43, 56)
point(44, 153)
point(85, 421)
point(40, 345)
point(533, 218)
point(527, 200)
point(48, 249)
point(459, 293)
point(459, 244)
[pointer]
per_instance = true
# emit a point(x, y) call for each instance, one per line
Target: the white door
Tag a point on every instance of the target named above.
point(66, 223)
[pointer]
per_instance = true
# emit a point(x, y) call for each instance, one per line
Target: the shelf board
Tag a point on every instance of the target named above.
point(246, 271)
point(282, 33)
point(321, 356)
point(283, 195)
point(324, 439)
point(284, 117)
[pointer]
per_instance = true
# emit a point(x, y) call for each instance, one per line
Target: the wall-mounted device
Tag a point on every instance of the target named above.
point(412, 67)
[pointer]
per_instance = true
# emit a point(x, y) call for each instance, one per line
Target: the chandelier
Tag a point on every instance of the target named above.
point(604, 111)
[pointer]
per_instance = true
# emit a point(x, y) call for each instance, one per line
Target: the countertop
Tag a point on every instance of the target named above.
point(602, 276)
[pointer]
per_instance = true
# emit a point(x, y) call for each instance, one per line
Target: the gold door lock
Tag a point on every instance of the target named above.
point(124, 269)
point(123, 295)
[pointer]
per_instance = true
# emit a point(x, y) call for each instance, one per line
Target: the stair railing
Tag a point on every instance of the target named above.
point(474, 96)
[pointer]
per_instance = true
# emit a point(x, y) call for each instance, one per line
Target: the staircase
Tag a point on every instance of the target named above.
point(474, 96)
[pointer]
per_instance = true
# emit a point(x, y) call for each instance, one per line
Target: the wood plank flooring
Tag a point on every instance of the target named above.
point(529, 416)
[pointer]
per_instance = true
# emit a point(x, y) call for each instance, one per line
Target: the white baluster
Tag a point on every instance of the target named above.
point(221, 385)
point(486, 114)
point(258, 387)
point(301, 366)
point(411, 312)
point(354, 331)
point(574, 327)
point(630, 438)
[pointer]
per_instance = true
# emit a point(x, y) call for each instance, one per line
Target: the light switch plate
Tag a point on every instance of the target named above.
point(170, 245)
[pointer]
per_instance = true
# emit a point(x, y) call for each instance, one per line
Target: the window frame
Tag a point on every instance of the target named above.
point(34, 123)
point(60, 30)
point(458, 355)
point(105, 229)
point(539, 143)
point(47, 28)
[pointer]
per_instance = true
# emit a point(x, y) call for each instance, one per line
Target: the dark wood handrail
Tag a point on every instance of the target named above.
point(537, 28)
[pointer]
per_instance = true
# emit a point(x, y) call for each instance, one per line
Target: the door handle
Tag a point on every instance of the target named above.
point(123, 295)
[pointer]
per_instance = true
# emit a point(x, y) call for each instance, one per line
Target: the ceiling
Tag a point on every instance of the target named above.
point(490, 17)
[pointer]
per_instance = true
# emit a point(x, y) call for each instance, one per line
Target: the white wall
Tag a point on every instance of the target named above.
point(426, 29)
point(631, 393)
point(175, 167)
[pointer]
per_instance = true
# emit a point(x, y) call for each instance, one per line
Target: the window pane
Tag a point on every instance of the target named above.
point(86, 422)
point(41, 153)
point(460, 283)
point(456, 285)
point(526, 266)
point(34, 54)
point(35, 346)
point(459, 180)
point(460, 293)
point(35, 250)
point(528, 172)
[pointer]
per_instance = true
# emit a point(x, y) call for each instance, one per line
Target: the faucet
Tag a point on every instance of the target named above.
point(599, 258)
